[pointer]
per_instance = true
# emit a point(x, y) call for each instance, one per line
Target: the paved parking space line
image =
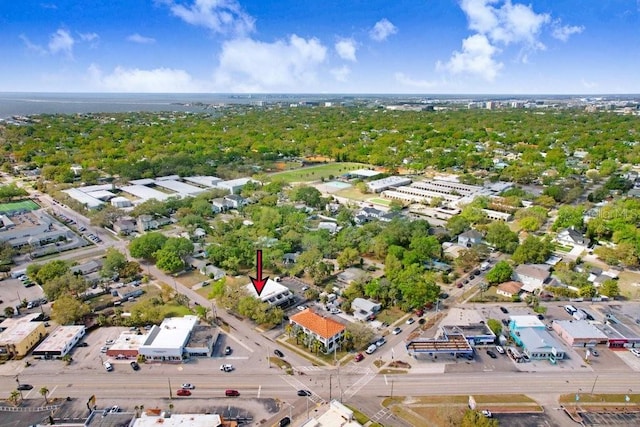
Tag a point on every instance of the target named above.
point(240, 342)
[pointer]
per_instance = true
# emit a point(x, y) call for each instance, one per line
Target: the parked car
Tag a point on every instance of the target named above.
point(459, 285)
point(103, 349)
point(114, 409)
point(23, 387)
point(226, 367)
point(284, 422)
point(635, 352)
point(301, 307)
point(372, 348)
point(410, 320)
point(358, 357)
point(487, 413)
point(278, 353)
point(499, 349)
point(505, 322)
point(396, 331)
point(420, 313)
point(227, 350)
point(504, 310)
point(109, 342)
point(83, 344)
point(188, 386)
point(381, 342)
point(231, 393)
point(135, 366)
point(491, 354)
point(183, 392)
point(108, 366)
point(304, 393)
point(594, 352)
point(444, 295)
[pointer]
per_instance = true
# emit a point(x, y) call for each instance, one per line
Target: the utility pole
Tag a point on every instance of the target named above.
point(391, 388)
point(330, 387)
point(170, 392)
point(594, 384)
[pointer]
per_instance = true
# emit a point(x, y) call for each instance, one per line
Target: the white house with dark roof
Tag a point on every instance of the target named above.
point(532, 276)
point(469, 238)
point(570, 236)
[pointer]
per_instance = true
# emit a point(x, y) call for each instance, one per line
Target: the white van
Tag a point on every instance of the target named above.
point(371, 349)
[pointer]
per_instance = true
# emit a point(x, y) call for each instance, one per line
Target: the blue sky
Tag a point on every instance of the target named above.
point(321, 46)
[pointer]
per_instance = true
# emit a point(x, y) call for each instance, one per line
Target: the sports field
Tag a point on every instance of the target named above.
point(379, 201)
point(315, 173)
point(22, 205)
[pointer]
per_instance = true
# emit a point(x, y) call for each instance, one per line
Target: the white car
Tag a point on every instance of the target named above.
point(104, 349)
point(499, 349)
point(108, 366)
point(635, 351)
point(381, 342)
point(301, 308)
point(188, 386)
point(410, 321)
point(487, 413)
point(226, 368)
point(372, 348)
point(109, 342)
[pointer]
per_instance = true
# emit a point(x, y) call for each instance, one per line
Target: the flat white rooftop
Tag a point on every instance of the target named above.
point(527, 321)
point(178, 420)
point(59, 338)
point(180, 187)
point(206, 181)
point(271, 289)
point(364, 172)
point(172, 332)
point(146, 193)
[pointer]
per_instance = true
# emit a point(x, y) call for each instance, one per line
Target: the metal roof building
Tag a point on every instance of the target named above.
point(146, 193)
point(87, 200)
point(60, 342)
point(182, 188)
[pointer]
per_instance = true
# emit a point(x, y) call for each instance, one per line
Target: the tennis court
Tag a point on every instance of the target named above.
point(21, 206)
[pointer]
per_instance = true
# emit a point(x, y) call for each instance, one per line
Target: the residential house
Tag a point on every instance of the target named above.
point(124, 226)
point(235, 200)
point(148, 222)
point(206, 268)
point(364, 309)
point(331, 227)
point(290, 258)
point(220, 205)
point(371, 213)
point(350, 275)
point(572, 237)
point(532, 276)
point(509, 289)
point(315, 327)
point(469, 238)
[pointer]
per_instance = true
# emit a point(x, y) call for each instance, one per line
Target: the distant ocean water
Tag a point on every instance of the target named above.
point(25, 104)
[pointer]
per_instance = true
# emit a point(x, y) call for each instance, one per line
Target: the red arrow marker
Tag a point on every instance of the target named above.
point(259, 283)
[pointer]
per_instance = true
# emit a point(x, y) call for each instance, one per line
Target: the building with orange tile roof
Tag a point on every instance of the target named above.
point(327, 331)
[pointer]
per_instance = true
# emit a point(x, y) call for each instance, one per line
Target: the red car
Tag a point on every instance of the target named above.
point(419, 312)
point(183, 392)
point(359, 357)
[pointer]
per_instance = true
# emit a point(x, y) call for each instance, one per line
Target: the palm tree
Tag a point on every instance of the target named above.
point(44, 391)
point(14, 397)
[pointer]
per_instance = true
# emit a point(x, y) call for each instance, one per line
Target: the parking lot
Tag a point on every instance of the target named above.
point(13, 291)
point(611, 418)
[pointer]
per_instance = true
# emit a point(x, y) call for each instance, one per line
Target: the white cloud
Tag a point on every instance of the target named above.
point(32, 46)
point(61, 42)
point(221, 16)
point(587, 84)
point(137, 38)
point(341, 74)
point(405, 80)
point(88, 37)
point(162, 80)
point(565, 31)
point(248, 65)
point(382, 29)
point(509, 23)
point(476, 57)
point(346, 49)
point(496, 23)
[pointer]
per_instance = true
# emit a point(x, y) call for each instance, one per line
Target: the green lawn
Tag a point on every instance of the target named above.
point(315, 173)
point(380, 201)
